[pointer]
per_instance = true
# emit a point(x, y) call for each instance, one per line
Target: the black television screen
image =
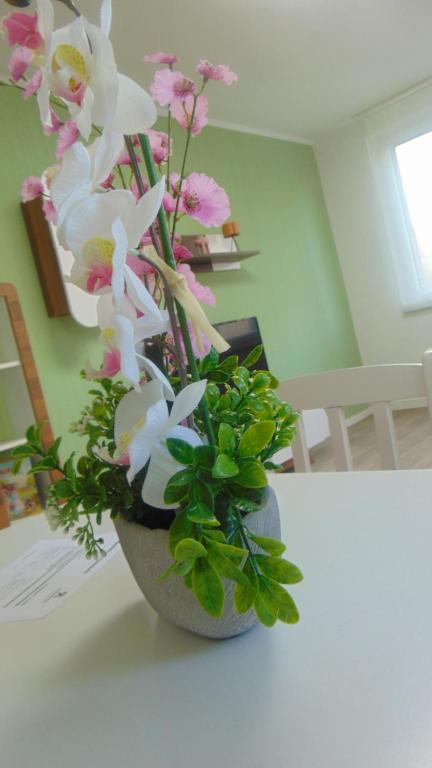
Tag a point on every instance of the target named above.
point(242, 336)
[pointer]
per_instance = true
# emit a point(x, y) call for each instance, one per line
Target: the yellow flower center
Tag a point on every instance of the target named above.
point(98, 250)
point(108, 334)
point(123, 442)
point(67, 57)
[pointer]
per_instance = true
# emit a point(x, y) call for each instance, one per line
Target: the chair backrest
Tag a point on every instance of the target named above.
point(376, 385)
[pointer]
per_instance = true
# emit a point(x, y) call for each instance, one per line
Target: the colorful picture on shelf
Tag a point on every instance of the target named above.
point(21, 493)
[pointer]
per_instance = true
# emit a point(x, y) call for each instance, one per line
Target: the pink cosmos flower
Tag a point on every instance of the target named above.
point(216, 72)
point(21, 29)
point(33, 85)
point(50, 212)
point(68, 135)
point(55, 126)
point(19, 62)
point(204, 200)
point(168, 87)
point(160, 145)
point(201, 292)
point(160, 58)
point(182, 112)
point(31, 188)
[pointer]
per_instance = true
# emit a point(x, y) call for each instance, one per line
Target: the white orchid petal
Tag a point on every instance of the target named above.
point(148, 326)
point(152, 369)
point(104, 153)
point(104, 76)
point(146, 438)
point(45, 14)
point(126, 345)
point(105, 16)
point(134, 406)
point(144, 213)
point(160, 470)
point(135, 110)
point(118, 260)
point(139, 295)
point(73, 176)
point(186, 402)
point(43, 100)
point(84, 118)
point(162, 467)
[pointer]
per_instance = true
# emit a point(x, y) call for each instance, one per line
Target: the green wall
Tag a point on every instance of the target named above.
point(294, 287)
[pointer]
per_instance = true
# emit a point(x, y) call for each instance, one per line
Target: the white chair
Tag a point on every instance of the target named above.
point(375, 385)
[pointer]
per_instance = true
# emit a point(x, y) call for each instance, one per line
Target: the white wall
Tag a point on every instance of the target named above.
point(385, 334)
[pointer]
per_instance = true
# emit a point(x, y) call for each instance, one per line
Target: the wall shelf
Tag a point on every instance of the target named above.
point(10, 364)
point(8, 445)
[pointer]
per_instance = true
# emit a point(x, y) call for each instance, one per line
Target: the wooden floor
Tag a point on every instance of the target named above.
point(414, 434)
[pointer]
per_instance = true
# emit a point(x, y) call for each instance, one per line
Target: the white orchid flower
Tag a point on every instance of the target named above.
point(81, 172)
point(121, 331)
point(100, 231)
point(143, 423)
point(78, 66)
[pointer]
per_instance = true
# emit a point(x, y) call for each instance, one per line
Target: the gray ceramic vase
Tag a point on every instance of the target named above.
point(148, 556)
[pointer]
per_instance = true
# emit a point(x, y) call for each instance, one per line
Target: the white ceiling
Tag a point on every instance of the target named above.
point(304, 66)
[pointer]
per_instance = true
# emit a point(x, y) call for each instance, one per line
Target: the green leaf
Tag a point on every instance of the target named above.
point(244, 596)
point(201, 514)
point(272, 546)
point(229, 550)
point(253, 356)
point(261, 381)
point(210, 361)
point(170, 571)
point(22, 452)
point(288, 613)
point(202, 494)
point(45, 465)
point(205, 456)
point(53, 451)
point(189, 548)
point(182, 478)
point(256, 438)
point(225, 567)
point(280, 570)
point(230, 363)
point(245, 505)
point(174, 494)
point(266, 614)
point(224, 467)
point(208, 588)
point(252, 475)
point(181, 528)
point(68, 467)
point(63, 489)
point(276, 599)
point(226, 438)
point(215, 536)
point(180, 450)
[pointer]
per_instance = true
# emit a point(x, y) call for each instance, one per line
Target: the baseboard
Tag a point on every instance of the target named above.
point(358, 417)
point(414, 402)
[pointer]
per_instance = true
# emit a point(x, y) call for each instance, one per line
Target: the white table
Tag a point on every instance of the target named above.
point(104, 682)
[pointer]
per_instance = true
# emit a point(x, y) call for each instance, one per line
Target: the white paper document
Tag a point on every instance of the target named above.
point(40, 580)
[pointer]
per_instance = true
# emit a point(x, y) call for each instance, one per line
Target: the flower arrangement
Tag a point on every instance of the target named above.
point(177, 437)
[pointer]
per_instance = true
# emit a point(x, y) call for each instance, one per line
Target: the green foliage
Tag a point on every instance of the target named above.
point(208, 588)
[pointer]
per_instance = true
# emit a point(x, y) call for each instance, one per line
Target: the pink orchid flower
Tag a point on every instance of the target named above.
point(22, 29)
point(19, 62)
point(169, 87)
point(54, 126)
point(204, 200)
point(33, 85)
point(50, 212)
point(182, 112)
point(31, 188)
point(216, 72)
point(160, 58)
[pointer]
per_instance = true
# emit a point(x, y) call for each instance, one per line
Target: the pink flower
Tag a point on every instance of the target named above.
point(182, 112)
point(110, 367)
point(33, 85)
point(31, 188)
point(55, 126)
point(201, 292)
point(160, 145)
point(68, 135)
point(160, 58)
point(124, 159)
point(168, 87)
point(169, 203)
point(21, 29)
point(138, 266)
point(181, 253)
point(50, 212)
point(107, 184)
point(216, 72)
point(204, 200)
point(174, 181)
point(99, 276)
point(19, 62)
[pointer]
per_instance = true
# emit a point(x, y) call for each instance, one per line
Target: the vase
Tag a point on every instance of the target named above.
point(148, 556)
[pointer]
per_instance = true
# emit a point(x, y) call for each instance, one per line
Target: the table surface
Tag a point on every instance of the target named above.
point(103, 681)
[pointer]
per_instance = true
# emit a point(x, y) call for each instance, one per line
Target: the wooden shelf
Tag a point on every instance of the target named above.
point(8, 445)
point(204, 262)
point(10, 364)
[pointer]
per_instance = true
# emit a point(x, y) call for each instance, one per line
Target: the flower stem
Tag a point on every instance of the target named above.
point(183, 168)
point(170, 260)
